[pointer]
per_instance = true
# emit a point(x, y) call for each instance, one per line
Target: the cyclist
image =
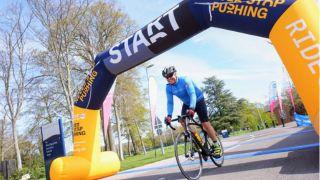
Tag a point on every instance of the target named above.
point(193, 101)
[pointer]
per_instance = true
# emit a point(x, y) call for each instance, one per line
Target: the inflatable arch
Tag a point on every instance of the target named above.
point(291, 25)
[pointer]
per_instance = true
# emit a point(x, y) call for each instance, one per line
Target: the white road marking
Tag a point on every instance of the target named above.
point(252, 138)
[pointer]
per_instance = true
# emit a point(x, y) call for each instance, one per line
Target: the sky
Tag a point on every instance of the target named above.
point(247, 64)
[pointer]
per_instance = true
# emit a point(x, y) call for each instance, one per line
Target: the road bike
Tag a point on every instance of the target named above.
point(192, 146)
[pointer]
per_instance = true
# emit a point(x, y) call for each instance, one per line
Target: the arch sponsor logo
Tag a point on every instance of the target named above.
point(87, 86)
point(306, 44)
point(78, 116)
point(250, 8)
point(78, 130)
point(138, 38)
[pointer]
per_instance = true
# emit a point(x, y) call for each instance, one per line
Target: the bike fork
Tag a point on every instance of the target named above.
point(188, 152)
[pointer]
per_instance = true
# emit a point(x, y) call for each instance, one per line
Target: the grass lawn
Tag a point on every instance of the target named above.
point(238, 133)
point(140, 160)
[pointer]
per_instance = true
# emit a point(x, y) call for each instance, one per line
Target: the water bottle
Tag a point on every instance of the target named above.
point(202, 137)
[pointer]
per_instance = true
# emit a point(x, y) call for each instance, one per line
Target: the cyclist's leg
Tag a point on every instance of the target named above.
point(201, 110)
point(210, 130)
point(183, 112)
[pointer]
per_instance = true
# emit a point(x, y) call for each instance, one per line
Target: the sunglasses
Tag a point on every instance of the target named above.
point(169, 76)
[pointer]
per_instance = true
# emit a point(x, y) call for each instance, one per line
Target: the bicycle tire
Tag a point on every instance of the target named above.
point(195, 159)
point(218, 161)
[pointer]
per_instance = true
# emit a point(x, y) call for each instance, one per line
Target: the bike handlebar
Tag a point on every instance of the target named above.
point(177, 119)
point(171, 126)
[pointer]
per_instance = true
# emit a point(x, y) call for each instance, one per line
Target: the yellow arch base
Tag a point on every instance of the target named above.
point(76, 168)
point(296, 38)
point(88, 161)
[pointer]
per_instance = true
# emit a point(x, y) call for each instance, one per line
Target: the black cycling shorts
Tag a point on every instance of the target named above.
point(201, 109)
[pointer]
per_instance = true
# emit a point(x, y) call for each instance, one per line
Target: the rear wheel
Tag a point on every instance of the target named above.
point(188, 157)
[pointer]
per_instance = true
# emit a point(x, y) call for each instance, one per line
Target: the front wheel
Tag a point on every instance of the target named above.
point(188, 157)
point(217, 160)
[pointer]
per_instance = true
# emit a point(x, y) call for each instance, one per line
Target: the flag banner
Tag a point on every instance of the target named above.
point(289, 90)
point(272, 95)
point(272, 105)
point(153, 92)
point(107, 106)
point(286, 84)
point(275, 95)
point(280, 102)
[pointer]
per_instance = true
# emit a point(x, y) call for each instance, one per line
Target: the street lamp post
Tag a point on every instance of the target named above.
point(158, 127)
point(155, 151)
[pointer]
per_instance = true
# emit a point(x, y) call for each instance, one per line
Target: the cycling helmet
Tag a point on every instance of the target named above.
point(168, 71)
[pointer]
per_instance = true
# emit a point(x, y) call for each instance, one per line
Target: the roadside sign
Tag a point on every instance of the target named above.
point(52, 143)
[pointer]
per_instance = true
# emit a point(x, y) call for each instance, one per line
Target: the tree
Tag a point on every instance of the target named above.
point(72, 32)
point(47, 106)
point(14, 61)
point(117, 118)
point(299, 106)
point(268, 119)
point(101, 26)
point(252, 116)
point(130, 102)
point(246, 119)
point(3, 129)
point(57, 26)
point(222, 107)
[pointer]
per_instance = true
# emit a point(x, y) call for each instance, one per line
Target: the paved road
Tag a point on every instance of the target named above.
point(277, 153)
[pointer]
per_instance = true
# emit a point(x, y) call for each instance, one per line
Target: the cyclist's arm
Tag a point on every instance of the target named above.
point(192, 93)
point(169, 101)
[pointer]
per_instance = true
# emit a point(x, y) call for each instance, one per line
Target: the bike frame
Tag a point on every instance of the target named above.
point(196, 144)
point(188, 121)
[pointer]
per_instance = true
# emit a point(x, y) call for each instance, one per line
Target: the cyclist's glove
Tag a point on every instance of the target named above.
point(190, 112)
point(167, 120)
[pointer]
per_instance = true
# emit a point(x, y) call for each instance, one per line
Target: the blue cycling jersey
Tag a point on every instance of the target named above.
point(186, 90)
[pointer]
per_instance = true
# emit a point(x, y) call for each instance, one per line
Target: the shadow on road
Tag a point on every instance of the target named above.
point(310, 164)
